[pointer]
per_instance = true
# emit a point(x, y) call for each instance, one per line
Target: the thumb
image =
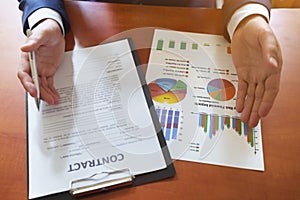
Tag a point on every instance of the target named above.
point(270, 49)
point(32, 43)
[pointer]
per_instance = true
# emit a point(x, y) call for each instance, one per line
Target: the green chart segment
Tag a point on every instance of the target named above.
point(211, 124)
point(171, 44)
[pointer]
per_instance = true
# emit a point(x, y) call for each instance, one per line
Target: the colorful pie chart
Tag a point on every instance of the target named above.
point(221, 89)
point(167, 90)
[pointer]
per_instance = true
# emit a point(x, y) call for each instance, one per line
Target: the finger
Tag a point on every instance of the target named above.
point(32, 43)
point(241, 95)
point(271, 49)
point(248, 103)
point(271, 91)
point(28, 46)
point(254, 116)
point(46, 93)
point(27, 83)
point(53, 90)
point(24, 75)
point(272, 54)
point(24, 65)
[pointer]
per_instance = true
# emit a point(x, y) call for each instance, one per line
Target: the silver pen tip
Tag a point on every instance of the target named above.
point(37, 102)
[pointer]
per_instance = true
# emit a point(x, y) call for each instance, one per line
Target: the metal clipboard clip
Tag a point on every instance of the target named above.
point(100, 182)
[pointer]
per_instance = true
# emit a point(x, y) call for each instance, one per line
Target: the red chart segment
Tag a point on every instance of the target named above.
point(155, 89)
point(221, 89)
point(167, 90)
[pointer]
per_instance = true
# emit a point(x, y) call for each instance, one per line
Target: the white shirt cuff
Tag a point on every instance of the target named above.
point(45, 13)
point(243, 12)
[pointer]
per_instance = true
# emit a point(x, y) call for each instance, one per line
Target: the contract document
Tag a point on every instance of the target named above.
point(101, 124)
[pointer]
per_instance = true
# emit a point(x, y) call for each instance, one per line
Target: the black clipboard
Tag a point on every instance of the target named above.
point(140, 179)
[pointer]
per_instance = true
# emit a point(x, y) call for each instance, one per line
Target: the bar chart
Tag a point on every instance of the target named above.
point(215, 124)
point(169, 120)
point(169, 44)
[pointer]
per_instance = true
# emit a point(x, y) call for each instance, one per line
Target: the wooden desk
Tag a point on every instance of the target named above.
point(94, 23)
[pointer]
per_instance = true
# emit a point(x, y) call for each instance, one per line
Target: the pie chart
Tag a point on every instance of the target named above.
point(221, 89)
point(167, 90)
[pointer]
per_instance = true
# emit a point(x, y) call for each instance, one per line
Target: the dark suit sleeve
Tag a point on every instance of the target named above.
point(29, 6)
point(230, 6)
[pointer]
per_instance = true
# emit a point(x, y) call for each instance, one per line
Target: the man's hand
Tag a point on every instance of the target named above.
point(257, 57)
point(48, 43)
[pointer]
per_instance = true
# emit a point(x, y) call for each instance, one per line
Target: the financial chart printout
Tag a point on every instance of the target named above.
point(193, 84)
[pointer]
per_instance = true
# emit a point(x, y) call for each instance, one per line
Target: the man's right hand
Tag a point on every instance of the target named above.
point(48, 43)
point(257, 57)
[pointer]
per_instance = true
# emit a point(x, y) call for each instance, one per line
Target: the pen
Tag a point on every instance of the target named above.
point(34, 74)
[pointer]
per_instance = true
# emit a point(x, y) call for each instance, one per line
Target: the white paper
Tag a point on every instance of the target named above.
point(101, 124)
point(191, 77)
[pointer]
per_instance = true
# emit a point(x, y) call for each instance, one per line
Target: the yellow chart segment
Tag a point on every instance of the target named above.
point(168, 98)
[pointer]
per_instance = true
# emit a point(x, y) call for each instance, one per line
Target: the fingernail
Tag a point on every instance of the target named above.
point(56, 101)
point(273, 61)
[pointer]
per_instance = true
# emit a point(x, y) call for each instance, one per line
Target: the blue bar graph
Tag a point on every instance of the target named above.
point(175, 125)
point(169, 120)
point(233, 124)
point(211, 127)
point(163, 119)
point(169, 125)
point(222, 122)
point(245, 129)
